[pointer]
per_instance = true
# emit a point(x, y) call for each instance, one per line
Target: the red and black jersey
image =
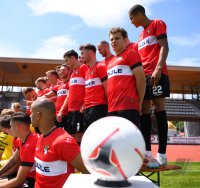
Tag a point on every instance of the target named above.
point(121, 86)
point(16, 142)
point(94, 90)
point(77, 88)
point(27, 151)
point(107, 60)
point(148, 46)
point(53, 155)
point(61, 92)
point(133, 46)
point(40, 93)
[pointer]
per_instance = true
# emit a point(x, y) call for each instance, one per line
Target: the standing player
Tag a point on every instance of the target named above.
point(53, 78)
point(30, 95)
point(153, 50)
point(104, 49)
point(61, 91)
point(126, 79)
point(76, 95)
point(95, 104)
point(40, 84)
point(57, 153)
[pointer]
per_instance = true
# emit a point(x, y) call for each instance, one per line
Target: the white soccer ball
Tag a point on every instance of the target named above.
point(113, 149)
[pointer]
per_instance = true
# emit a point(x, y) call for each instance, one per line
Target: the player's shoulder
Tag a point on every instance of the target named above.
point(62, 137)
point(158, 22)
point(3, 135)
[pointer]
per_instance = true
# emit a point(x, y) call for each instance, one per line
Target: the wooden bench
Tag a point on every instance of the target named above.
point(148, 172)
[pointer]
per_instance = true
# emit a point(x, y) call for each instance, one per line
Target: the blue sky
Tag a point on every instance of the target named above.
point(48, 28)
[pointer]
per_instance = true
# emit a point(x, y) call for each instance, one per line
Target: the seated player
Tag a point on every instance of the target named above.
point(20, 127)
point(57, 153)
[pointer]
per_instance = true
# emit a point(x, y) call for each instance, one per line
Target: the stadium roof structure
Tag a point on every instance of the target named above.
point(24, 72)
point(184, 80)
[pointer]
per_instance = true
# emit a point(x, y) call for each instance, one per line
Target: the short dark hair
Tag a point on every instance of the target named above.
point(119, 30)
point(88, 47)
point(103, 42)
point(28, 89)
point(71, 53)
point(5, 121)
point(136, 9)
point(21, 117)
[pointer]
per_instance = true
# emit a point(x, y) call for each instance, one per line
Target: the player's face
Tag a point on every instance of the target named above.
point(69, 62)
point(32, 95)
point(85, 55)
point(50, 78)
point(135, 20)
point(14, 128)
point(118, 43)
point(80, 59)
point(34, 116)
point(101, 49)
point(64, 72)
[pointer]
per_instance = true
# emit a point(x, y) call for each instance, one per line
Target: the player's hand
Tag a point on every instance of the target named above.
point(155, 77)
point(59, 117)
point(82, 110)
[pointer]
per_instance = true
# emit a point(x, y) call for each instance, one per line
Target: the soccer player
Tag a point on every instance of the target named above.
point(153, 50)
point(126, 79)
point(53, 78)
point(30, 95)
point(20, 123)
point(80, 59)
point(104, 49)
point(57, 153)
point(6, 139)
point(40, 84)
point(76, 95)
point(95, 103)
point(61, 91)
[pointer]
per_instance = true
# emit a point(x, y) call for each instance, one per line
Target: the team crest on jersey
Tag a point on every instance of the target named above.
point(148, 31)
point(46, 148)
point(92, 72)
point(76, 72)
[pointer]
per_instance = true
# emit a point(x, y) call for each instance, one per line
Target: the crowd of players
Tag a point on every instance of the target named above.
point(74, 95)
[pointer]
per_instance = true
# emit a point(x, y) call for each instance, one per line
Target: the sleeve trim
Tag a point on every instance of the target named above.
point(30, 164)
point(136, 65)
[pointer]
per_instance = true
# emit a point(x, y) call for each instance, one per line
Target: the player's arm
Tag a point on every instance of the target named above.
point(12, 170)
point(15, 159)
point(164, 49)
point(18, 180)
point(49, 95)
point(64, 106)
point(140, 83)
point(77, 163)
point(105, 87)
point(102, 73)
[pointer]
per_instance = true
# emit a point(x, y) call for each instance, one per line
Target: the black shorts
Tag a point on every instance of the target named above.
point(75, 122)
point(131, 115)
point(162, 89)
point(94, 113)
point(63, 123)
